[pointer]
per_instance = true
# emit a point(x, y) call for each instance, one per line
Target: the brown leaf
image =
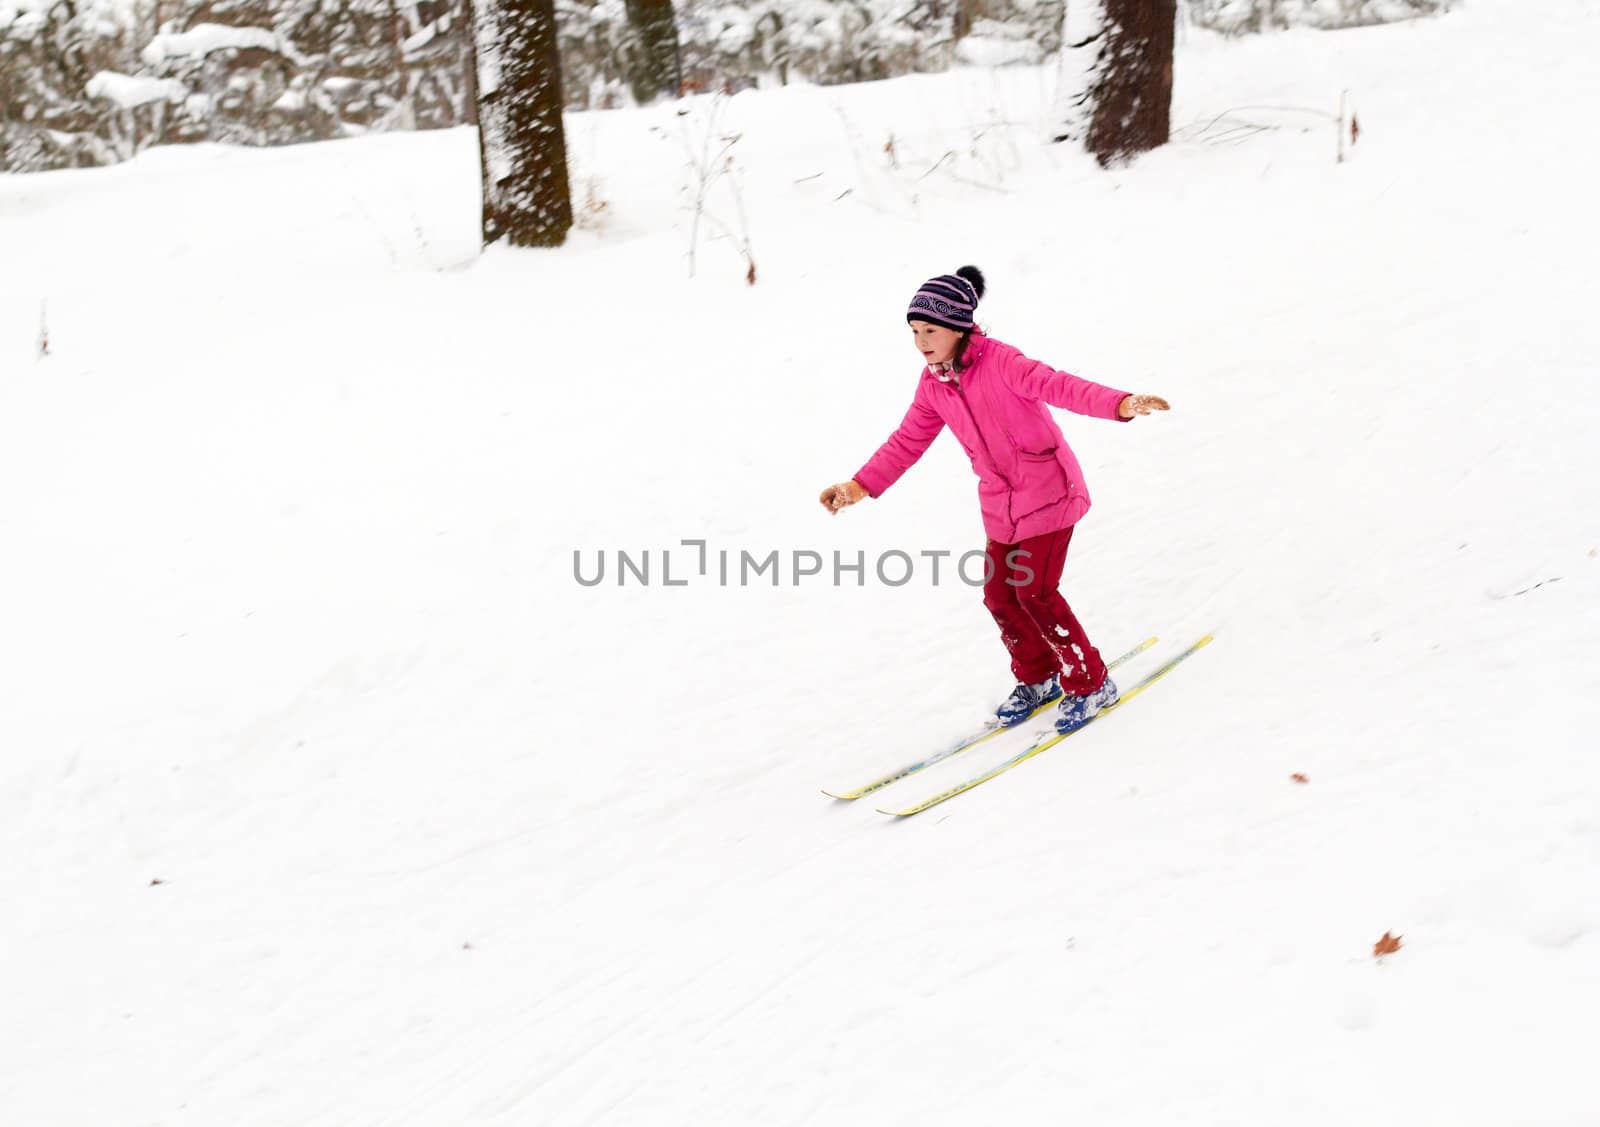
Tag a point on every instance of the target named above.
point(1355, 129)
point(157, 881)
point(1299, 778)
point(750, 275)
point(1388, 945)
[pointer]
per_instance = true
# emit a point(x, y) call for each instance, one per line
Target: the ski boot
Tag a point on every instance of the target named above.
point(1076, 711)
point(1025, 700)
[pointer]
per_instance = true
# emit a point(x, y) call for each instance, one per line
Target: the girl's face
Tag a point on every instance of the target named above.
point(936, 343)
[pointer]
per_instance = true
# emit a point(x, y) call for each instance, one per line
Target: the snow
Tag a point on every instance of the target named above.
point(989, 45)
point(107, 9)
point(444, 836)
point(203, 39)
point(130, 91)
point(1077, 67)
point(23, 24)
point(416, 42)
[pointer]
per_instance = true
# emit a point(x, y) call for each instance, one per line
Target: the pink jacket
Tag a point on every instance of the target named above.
point(1029, 482)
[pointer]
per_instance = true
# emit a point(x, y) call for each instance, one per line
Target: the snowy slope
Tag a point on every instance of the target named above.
point(443, 837)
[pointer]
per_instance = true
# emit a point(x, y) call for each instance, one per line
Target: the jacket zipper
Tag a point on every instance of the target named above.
point(987, 453)
point(1011, 490)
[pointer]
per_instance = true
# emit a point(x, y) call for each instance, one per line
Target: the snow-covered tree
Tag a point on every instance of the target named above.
point(526, 197)
point(654, 70)
point(1115, 89)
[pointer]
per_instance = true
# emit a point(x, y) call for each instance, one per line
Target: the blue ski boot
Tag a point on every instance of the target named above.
point(1077, 711)
point(1025, 700)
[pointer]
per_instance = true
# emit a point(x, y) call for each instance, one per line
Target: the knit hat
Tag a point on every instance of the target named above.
point(949, 299)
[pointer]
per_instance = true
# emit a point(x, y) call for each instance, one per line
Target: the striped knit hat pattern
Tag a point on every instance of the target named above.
point(949, 299)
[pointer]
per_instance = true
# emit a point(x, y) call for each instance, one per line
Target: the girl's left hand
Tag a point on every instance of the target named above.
point(1132, 405)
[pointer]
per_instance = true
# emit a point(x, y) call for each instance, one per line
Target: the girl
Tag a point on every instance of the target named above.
point(1030, 488)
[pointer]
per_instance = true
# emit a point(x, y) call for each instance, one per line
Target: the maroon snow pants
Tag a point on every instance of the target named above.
point(1038, 628)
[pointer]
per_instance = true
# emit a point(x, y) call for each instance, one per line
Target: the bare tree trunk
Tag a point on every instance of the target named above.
point(656, 70)
point(467, 22)
point(1115, 92)
point(404, 115)
point(526, 198)
point(966, 11)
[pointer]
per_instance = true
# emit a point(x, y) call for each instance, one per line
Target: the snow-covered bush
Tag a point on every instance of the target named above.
point(1238, 17)
point(91, 83)
point(49, 52)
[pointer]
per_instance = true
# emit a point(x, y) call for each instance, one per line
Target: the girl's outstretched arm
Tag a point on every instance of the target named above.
point(901, 450)
point(1037, 380)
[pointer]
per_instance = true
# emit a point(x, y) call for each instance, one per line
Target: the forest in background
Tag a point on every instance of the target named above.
point(92, 82)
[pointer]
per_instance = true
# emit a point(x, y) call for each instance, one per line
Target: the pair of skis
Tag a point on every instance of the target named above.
point(993, 728)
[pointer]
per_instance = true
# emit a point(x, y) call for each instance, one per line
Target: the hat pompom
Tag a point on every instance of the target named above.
point(973, 275)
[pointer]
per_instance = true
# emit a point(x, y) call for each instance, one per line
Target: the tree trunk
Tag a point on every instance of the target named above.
point(526, 198)
point(1116, 76)
point(467, 21)
point(966, 11)
point(655, 70)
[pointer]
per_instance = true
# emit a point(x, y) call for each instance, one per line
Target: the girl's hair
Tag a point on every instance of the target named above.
point(958, 362)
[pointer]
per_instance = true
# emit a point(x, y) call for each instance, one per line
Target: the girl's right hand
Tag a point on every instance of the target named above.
point(1133, 405)
point(841, 496)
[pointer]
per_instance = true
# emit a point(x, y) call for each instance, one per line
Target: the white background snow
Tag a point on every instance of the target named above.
point(290, 623)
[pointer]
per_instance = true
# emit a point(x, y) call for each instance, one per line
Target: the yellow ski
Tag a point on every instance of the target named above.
point(1047, 742)
point(992, 728)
